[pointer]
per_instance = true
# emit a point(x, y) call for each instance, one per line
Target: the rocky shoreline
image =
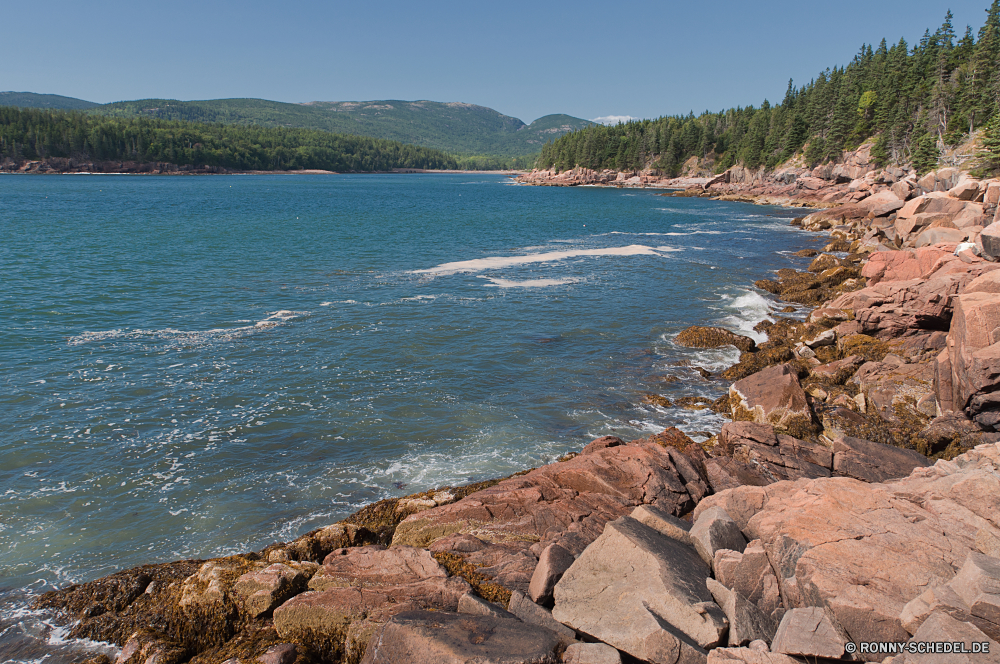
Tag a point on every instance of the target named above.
point(853, 499)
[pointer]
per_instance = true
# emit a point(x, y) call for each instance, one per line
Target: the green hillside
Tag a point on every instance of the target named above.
point(53, 102)
point(463, 129)
point(33, 134)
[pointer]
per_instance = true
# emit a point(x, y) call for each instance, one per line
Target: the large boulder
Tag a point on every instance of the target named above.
point(436, 637)
point(894, 389)
point(974, 358)
point(810, 632)
point(750, 574)
point(972, 596)
point(936, 641)
point(874, 462)
point(714, 530)
point(358, 589)
point(642, 592)
point(552, 564)
point(376, 565)
point(747, 623)
point(263, 590)
point(779, 456)
point(864, 550)
point(772, 396)
point(989, 239)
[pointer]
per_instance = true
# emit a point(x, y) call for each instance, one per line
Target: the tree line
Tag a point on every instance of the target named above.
point(916, 101)
point(33, 134)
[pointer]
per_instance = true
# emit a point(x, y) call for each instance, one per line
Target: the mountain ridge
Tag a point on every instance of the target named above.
point(457, 127)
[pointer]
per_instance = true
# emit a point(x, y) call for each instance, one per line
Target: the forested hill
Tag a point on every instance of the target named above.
point(917, 100)
point(463, 129)
point(54, 102)
point(31, 134)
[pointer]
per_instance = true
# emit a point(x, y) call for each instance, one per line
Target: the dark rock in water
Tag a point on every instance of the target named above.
point(824, 262)
point(806, 253)
point(694, 403)
point(713, 337)
point(750, 363)
point(435, 637)
point(657, 400)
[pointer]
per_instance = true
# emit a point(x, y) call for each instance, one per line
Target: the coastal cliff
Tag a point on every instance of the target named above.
point(851, 500)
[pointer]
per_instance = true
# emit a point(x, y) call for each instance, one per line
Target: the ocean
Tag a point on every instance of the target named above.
point(197, 366)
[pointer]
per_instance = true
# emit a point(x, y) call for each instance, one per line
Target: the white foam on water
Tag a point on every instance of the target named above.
point(750, 308)
point(498, 262)
point(527, 283)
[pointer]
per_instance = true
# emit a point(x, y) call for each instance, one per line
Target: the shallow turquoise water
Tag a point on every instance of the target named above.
point(200, 365)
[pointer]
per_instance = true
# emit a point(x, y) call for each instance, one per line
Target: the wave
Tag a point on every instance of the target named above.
point(497, 262)
point(275, 319)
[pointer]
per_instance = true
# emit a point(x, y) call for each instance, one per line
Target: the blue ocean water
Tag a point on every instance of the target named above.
point(194, 366)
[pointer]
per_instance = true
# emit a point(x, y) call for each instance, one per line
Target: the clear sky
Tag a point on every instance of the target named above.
point(525, 59)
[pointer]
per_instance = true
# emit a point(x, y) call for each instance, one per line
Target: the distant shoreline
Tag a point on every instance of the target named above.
point(155, 171)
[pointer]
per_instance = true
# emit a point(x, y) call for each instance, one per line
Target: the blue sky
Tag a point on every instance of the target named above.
point(525, 59)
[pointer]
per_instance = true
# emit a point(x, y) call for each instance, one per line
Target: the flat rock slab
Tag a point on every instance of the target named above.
point(940, 627)
point(810, 632)
point(664, 523)
point(376, 565)
point(527, 611)
point(643, 593)
point(591, 653)
point(477, 606)
point(874, 462)
point(436, 637)
point(748, 656)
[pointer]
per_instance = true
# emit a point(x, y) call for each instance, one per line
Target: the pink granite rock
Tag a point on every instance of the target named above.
point(772, 396)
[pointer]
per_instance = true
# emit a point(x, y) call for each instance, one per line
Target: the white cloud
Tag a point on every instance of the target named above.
point(613, 119)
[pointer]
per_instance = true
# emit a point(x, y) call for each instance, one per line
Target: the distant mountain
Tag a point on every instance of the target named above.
point(458, 128)
point(54, 102)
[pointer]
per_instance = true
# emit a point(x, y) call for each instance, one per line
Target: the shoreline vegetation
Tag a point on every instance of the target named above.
point(874, 414)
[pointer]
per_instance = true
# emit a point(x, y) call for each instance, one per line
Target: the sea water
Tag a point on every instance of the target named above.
point(197, 366)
